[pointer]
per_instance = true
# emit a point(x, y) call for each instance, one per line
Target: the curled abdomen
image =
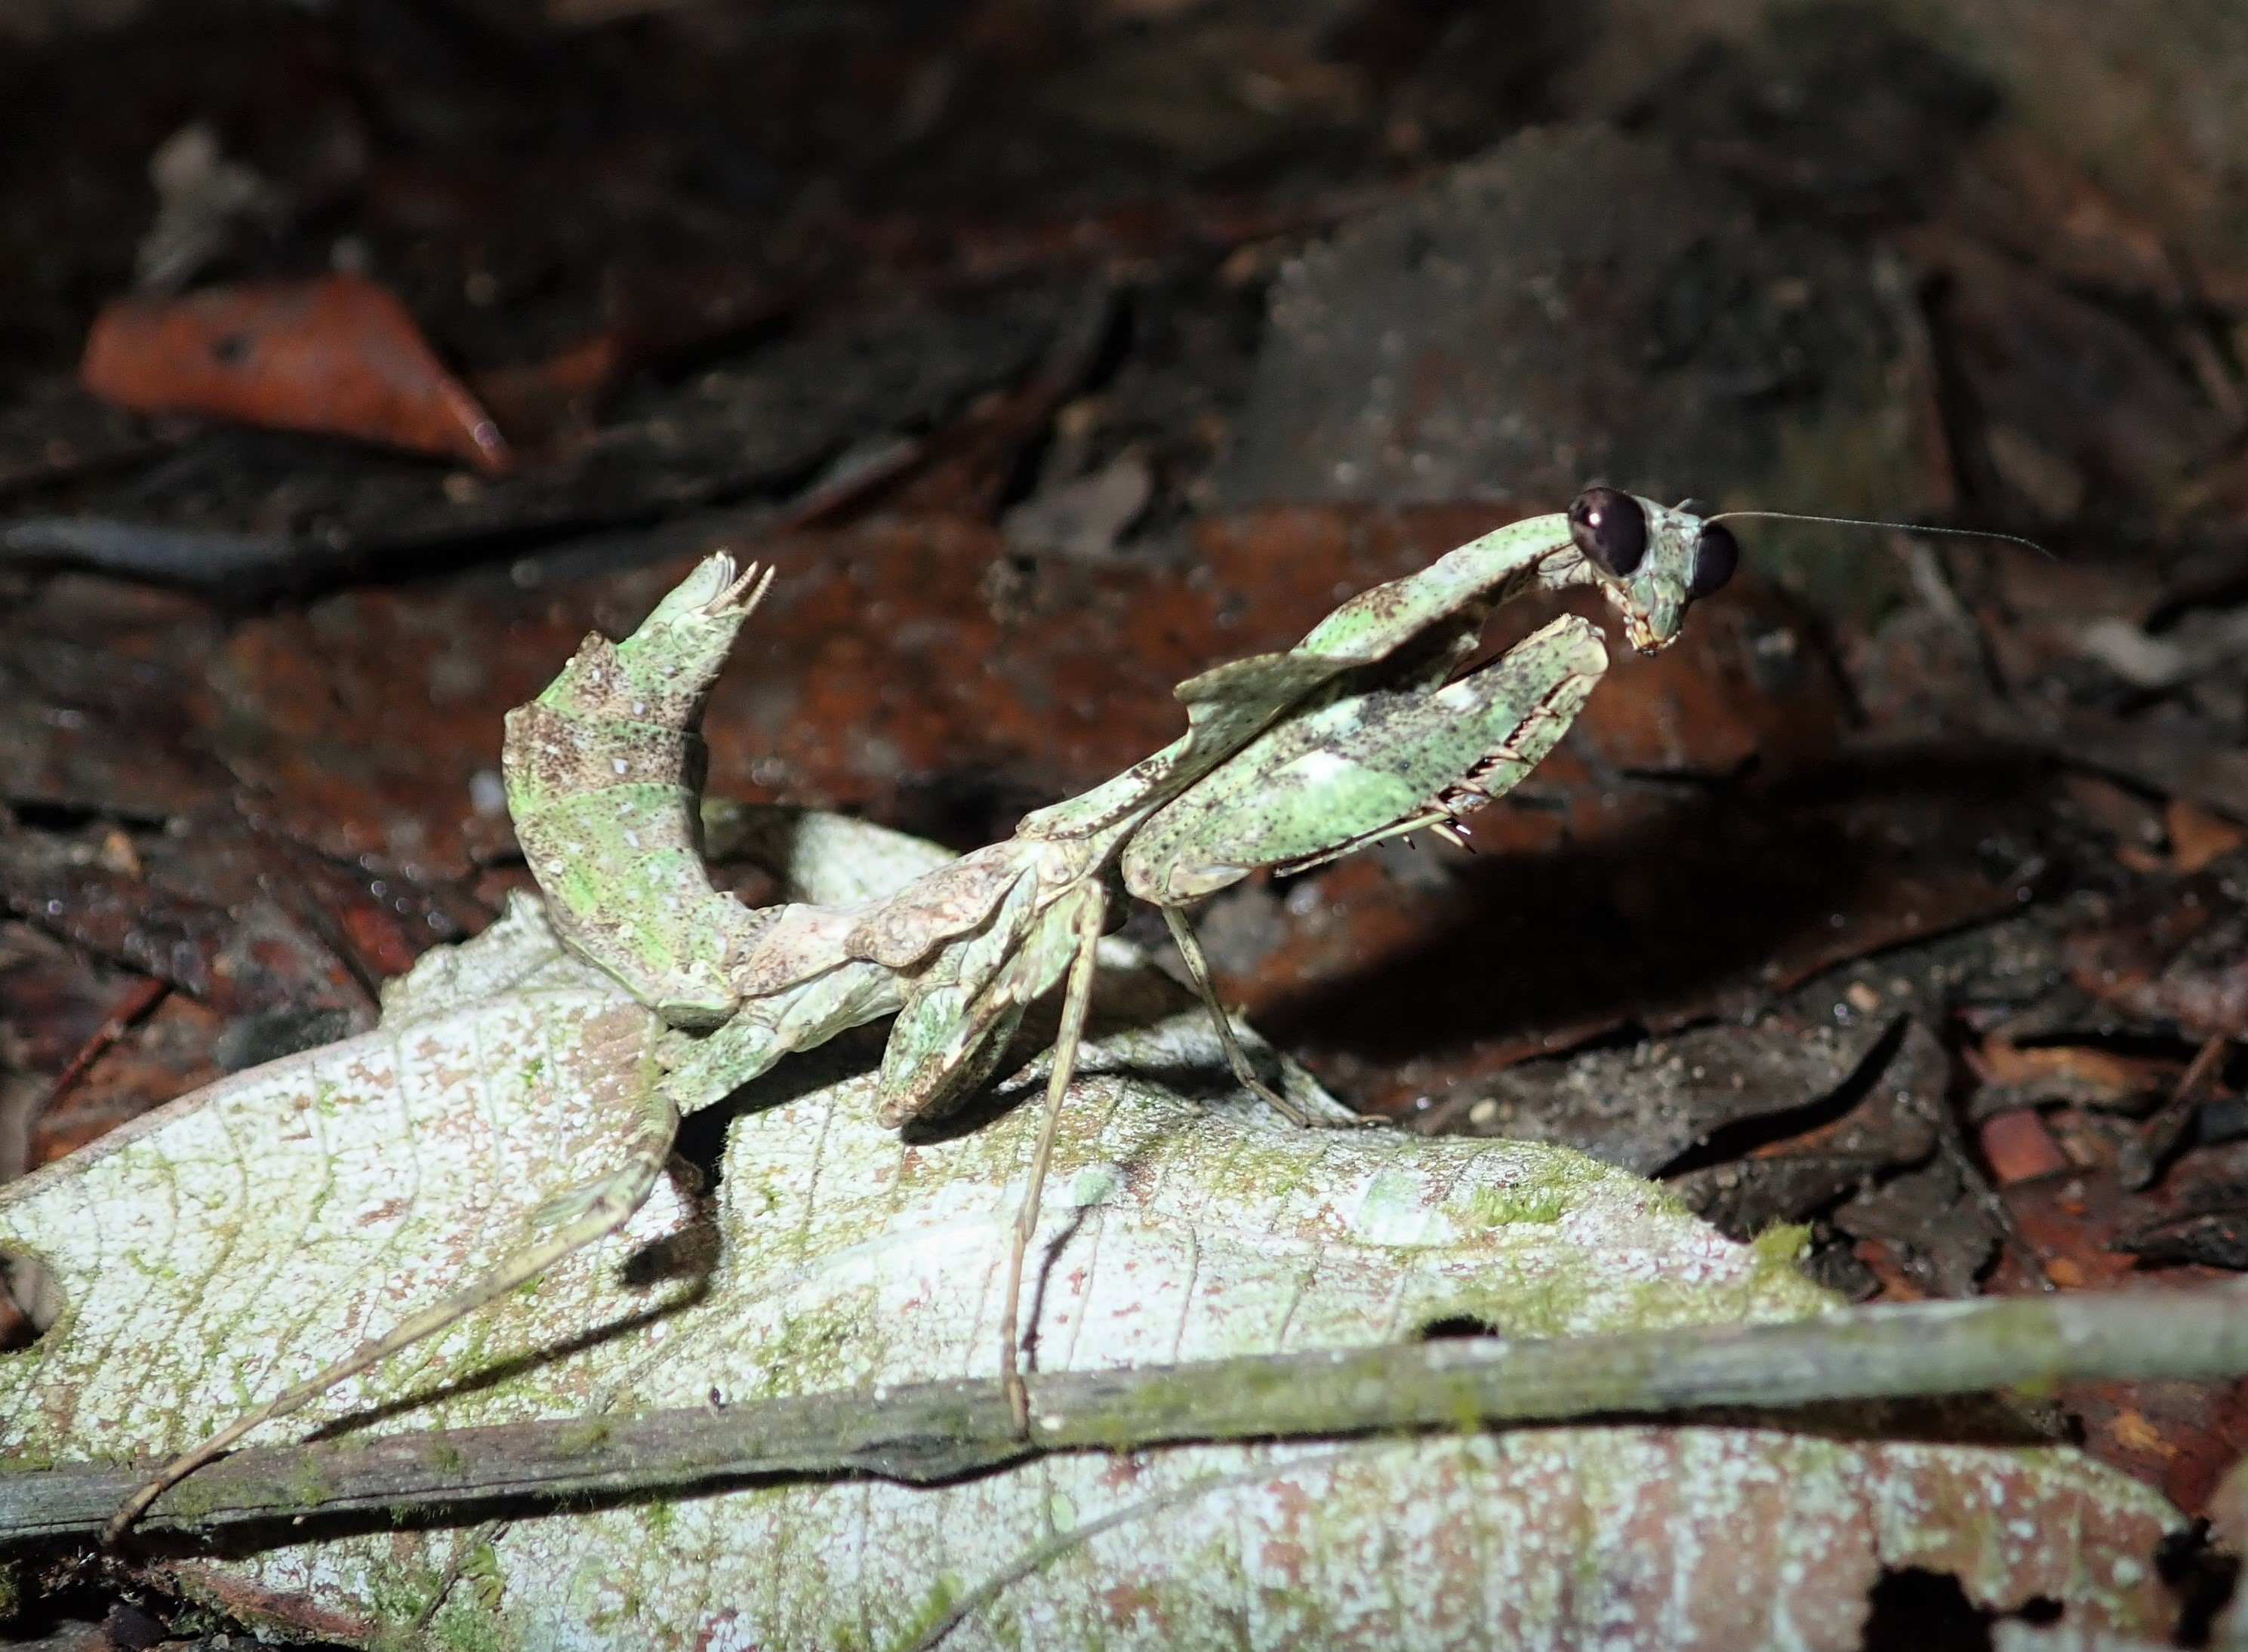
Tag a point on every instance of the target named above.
point(604, 779)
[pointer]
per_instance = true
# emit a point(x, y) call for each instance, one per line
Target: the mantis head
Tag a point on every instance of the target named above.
point(1651, 561)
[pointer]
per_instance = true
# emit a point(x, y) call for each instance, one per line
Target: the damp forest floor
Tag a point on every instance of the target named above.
point(1053, 353)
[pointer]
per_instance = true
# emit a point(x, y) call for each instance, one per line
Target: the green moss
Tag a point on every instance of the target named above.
point(807, 1353)
point(399, 1595)
point(1255, 1166)
point(944, 1592)
point(467, 1631)
point(1554, 1303)
point(2038, 1389)
point(308, 1487)
point(1503, 1206)
point(1782, 1244)
point(588, 1435)
point(469, 1620)
point(191, 1499)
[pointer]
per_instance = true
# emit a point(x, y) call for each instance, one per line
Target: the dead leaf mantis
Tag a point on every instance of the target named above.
point(1363, 731)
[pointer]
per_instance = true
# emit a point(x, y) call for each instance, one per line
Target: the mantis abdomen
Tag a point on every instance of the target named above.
point(604, 777)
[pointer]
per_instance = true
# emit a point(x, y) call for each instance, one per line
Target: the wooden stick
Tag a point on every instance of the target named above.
point(933, 1431)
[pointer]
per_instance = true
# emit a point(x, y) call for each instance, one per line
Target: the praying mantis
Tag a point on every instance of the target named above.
point(1365, 730)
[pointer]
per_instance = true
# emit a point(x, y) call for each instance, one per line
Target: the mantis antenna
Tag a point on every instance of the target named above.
point(1902, 526)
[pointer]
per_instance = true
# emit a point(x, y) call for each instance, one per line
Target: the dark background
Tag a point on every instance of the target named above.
point(1055, 352)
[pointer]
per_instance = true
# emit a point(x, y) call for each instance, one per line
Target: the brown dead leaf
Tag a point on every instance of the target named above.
point(2075, 386)
point(2177, 957)
point(2014, 1076)
point(1644, 1108)
point(2016, 192)
point(336, 354)
point(2198, 837)
point(255, 958)
point(165, 1056)
point(1890, 1126)
point(2018, 1147)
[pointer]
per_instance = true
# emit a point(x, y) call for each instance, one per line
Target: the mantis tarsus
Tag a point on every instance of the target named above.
point(1365, 730)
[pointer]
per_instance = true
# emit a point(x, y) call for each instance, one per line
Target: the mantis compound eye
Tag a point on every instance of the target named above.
point(1610, 529)
point(1716, 553)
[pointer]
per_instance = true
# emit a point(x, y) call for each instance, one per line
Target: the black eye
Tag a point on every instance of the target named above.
point(1716, 553)
point(1610, 529)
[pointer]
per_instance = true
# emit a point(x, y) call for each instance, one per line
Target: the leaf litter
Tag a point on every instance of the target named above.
point(844, 1257)
point(1685, 843)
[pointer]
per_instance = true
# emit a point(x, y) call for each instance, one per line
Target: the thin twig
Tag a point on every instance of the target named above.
point(2147, 1154)
point(933, 1431)
point(137, 1004)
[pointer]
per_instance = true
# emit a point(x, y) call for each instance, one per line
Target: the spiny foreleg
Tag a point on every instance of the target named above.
point(1361, 769)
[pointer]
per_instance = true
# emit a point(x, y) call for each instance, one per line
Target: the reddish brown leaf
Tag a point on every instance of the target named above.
point(165, 1056)
point(239, 962)
point(2075, 397)
point(2198, 837)
point(2018, 1148)
point(337, 355)
point(2064, 1072)
point(554, 397)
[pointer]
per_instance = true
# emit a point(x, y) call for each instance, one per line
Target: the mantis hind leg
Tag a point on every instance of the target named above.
point(578, 1217)
point(1076, 1001)
point(1237, 1058)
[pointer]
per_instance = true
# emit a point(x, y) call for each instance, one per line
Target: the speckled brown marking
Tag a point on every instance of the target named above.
point(801, 942)
point(930, 911)
point(567, 755)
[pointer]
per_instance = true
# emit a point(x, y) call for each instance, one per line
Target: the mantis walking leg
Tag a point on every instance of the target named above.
point(1237, 1058)
point(1079, 999)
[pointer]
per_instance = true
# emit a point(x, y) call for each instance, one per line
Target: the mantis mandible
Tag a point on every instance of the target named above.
point(1364, 730)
